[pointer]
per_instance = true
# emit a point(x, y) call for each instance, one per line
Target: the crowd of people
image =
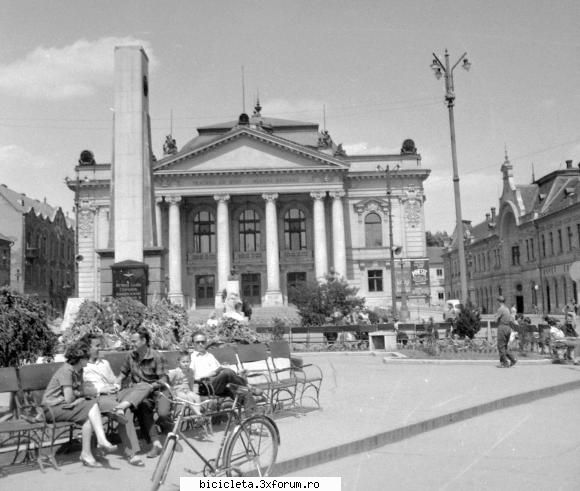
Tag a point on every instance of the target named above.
point(85, 388)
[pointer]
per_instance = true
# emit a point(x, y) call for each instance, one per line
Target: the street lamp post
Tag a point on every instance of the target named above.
point(392, 248)
point(444, 69)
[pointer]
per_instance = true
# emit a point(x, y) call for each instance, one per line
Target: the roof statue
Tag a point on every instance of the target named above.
point(170, 145)
point(408, 147)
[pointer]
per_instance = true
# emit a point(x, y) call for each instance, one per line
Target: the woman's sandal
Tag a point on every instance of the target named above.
point(88, 463)
point(136, 461)
point(107, 448)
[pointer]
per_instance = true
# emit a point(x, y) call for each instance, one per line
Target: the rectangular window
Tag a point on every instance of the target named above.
point(439, 272)
point(532, 252)
point(570, 237)
point(543, 237)
point(375, 277)
point(296, 279)
point(515, 255)
point(528, 250)
point(441, 296)
point(551, 236)
point(560, 242)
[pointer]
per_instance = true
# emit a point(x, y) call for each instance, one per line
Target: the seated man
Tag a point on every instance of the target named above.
point(100, 381)
point(206, 366)
point(145, 365)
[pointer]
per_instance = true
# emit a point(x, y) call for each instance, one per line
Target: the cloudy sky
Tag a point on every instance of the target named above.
point(366, 61)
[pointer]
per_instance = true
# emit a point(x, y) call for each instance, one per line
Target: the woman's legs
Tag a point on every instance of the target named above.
point(87, 433)
point(97, 425)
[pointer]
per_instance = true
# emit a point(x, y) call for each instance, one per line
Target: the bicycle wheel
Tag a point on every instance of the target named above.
point(163, 464)
point(252, 448)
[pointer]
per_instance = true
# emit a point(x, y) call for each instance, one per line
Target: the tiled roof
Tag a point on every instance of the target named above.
point(435, 254)
point(529, 193)
point(303, 133)
point(24, 204)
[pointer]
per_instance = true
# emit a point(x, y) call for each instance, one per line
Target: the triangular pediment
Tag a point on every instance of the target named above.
point(248, 150)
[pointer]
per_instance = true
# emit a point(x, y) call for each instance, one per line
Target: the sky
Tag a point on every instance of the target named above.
point(366, 62)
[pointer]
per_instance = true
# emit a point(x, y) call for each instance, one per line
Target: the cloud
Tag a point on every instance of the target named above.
point(362, 148)
point(16, 167)
point(73, 71)
point(479, 192)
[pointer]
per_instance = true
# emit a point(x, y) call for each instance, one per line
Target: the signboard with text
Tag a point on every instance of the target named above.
point(130, 280)
point(420, 277)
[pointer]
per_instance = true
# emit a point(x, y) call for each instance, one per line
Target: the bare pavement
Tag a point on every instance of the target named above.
point(372, 409)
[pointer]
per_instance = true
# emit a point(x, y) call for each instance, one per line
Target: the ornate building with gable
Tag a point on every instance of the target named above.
point(37, 255)
point(524, 250)
point(275, 202)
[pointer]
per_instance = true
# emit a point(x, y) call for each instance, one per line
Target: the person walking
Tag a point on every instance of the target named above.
point(504, 319)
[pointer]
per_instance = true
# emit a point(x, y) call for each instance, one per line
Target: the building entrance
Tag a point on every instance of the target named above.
point(205, 290)
point(251, 288)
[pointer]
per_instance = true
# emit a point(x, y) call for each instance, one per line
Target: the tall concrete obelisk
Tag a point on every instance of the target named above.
point(132, 202)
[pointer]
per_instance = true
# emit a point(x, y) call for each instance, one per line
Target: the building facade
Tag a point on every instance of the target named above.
point(41, 256)
point(436, 275)
point(5, 246)
point(275, 202)
point(523, 251)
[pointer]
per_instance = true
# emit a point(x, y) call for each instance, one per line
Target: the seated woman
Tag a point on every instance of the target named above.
point(63, 401)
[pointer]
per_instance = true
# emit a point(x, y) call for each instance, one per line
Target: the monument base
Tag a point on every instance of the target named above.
point(153, 258)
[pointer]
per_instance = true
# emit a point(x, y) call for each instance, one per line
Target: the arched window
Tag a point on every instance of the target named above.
point(249, 231)
point(373, 230)
point(203, 232)
point(294, 230)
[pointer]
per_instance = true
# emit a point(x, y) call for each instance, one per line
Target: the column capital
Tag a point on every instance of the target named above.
point(159, 199)
point(270, 196)
point(221, 197)
point(317, 195)
point(173, 200)
point(337, 194)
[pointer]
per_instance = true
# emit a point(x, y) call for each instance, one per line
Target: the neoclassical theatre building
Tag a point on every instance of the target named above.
point(275, 200)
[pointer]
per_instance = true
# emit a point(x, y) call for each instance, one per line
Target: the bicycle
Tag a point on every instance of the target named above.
point(249, 445)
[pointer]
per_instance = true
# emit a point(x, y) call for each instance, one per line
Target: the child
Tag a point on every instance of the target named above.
point(183, 382)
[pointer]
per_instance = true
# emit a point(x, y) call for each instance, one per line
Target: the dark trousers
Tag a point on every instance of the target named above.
point(503, 338)
point(219, 383)
point(145, 413)
point(127, 433)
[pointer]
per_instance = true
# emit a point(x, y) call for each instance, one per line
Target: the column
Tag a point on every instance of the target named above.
point(158, 224)
point(175, 292)
point(338, 239)
point(273, 294)
point(223, 246)
point(320, 251)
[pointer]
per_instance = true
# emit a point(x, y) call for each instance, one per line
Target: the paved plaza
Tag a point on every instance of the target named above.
point(370, 408)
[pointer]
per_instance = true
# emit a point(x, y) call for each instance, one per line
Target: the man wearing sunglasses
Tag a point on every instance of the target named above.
point(206, 368)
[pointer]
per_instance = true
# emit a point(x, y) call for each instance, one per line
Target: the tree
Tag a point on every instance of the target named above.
point(318, 301)
point(467, 323)
point(436, 239)
point(24, 332)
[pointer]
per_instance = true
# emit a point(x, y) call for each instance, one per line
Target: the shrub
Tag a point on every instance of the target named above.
point(168, 325)
point(230, 330)
point(467, 323)
point(117, 319)
point(278, 328)
point(318, 301)
point(24, 332)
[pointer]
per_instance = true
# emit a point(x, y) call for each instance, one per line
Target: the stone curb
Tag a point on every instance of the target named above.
point(384, 438)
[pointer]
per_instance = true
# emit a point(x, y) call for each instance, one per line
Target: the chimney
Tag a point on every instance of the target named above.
point(568, 164)
point(487, 217)
point(493, 214)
